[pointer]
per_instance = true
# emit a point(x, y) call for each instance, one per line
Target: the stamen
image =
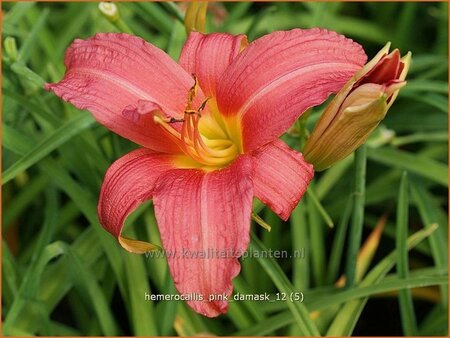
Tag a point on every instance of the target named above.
point(203, 105)
point(218, 143)
point(164, 124)
point(208, 152)
point(189, 127)
point(192, 92)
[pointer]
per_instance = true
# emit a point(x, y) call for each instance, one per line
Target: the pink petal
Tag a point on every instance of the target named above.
point(281, 177)
point(207, 215)
point(110, 73)
point(279, 76)
point(386, 70)
point(207, 56)
point(137, 111)
point(129, 182)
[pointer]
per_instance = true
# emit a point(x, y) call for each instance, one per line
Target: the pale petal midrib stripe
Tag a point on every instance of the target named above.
point(120, 82)
point(280, 80)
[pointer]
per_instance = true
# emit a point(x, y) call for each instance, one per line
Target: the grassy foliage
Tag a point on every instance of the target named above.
point(64, 275)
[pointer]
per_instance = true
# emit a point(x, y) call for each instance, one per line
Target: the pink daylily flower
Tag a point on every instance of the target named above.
point(208, 128)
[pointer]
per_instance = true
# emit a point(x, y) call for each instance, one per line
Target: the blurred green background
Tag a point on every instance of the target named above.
point(62, 274)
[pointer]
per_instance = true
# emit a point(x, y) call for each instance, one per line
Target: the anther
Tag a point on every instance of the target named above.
point(192, 92)
point(159, 119)
point(203, 105)
point(174, 120)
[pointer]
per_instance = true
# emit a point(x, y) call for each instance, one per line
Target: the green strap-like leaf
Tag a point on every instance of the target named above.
point(47, 145)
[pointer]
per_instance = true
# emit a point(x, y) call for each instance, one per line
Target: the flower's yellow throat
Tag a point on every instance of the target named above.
point(209, 141)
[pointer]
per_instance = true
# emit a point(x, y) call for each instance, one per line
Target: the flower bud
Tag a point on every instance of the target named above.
point(357, 109)
point(109, 10)
point(195, 17)
point(11, 48)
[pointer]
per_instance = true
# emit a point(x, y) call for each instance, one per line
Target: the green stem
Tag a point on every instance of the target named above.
point(174, 10)
point(407, 315)
point(123, 27)
point(298, 309)
point(326, 217)
point(260, 221)
point(338, 244)
point(356, 226)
